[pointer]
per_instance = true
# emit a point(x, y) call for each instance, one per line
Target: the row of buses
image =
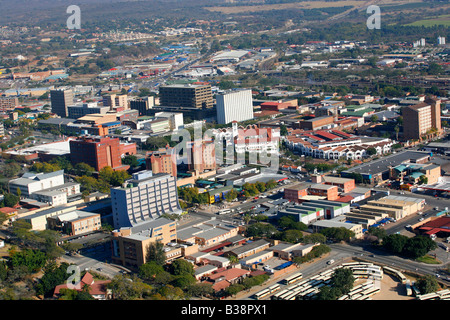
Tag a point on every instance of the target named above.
point(361, 292)
point(305, 289)
point(298, 288)
point(438, 295)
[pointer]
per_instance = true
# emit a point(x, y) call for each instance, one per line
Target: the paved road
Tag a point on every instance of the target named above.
point(341, 253)
point(370, 253)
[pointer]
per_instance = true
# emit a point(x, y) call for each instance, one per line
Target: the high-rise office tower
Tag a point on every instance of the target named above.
point(186, 96)
point(234, 105)
point(422, 118)
point(60, 99)
point(142, 105)
point(144, 198)
point(114, 101)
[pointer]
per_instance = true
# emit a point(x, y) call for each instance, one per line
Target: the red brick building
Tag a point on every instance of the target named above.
point(296, 192)
point(279, 105)
point(100, 152)
point(163, 160)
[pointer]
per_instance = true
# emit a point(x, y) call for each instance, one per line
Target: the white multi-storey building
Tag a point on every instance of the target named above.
point(34, 182)
point(144, 198)
point(46, 187)
point(236, 105)
point(250, 139)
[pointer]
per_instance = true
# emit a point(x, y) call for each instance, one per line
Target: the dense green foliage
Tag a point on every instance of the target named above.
point(413, 248)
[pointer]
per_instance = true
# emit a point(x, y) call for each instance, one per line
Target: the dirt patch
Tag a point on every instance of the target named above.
point(391, 289)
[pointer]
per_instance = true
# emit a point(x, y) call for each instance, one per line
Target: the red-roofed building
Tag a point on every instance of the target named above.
point(223, 279)
point(346, 199)
point(279, 105)
point(9, 211)
point(439, 226)
point(97, 289)
point(328, 135)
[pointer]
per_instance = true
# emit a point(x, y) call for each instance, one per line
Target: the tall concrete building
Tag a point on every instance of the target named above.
point(8, 103)
point(200, 156)
point(142, 105)
point(115, 102)
point(234, 106)
point(80, 110)
point(144, 198)
point(422, 119)
point(186, 96)
point(60, 100)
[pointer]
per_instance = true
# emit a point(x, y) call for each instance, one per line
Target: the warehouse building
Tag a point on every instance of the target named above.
point(336, 223)
point(380, 170)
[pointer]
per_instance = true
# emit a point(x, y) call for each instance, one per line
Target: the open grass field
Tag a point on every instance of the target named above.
point(439, 21)
point(283, 6)
point(307, 5)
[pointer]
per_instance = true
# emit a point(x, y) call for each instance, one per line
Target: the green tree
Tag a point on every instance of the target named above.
point(338, 234)
point(271, 184)
point(71, 246)
point(283, 130)
point(371, 151)
point(33, 260)
point(423, 179)
point(10, 200)
point(231, 195)
point(260, 229)
point(234, 289)
point(119, 177)
point(11, 169)
point(83, 169)
point(131, 160)
point(200, 290)
point(328, 293)
point(170, 292)
point(394, 243)
point(181, 267)
point(380, 233)
point(418, 246)
point(72, 294)
point(315, 238)
point(292, 236)
point(343, 280)
point(184, 280)
point(427, 284)
point(148, 271)
point(129, 288)
point(156, 253)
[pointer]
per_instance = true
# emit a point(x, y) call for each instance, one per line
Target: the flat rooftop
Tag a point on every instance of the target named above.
point(383, 164)
point(56, 148)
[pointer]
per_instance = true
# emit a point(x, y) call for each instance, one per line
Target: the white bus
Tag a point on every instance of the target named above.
point(224, 211)
point(274, 288)
point(293, 278)
point(277, 296)
point(262, 294)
